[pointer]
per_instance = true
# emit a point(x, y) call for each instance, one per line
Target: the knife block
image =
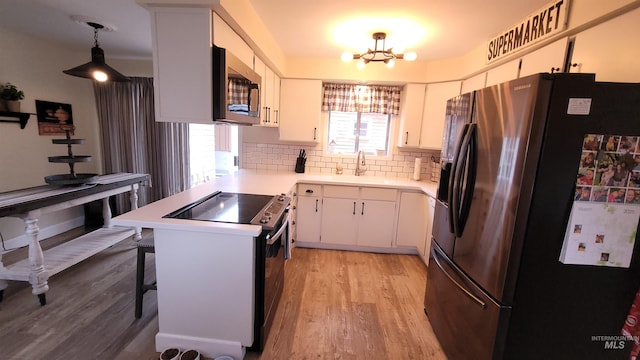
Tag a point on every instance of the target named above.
point(300, 162)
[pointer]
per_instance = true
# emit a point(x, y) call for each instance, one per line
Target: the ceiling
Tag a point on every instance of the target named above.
point(439, 29)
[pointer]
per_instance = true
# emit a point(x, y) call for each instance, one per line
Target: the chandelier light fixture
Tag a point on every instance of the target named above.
point(378, 54)
point(96, 69)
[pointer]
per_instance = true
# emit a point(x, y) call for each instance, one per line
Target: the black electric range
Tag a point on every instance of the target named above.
point(235, 208)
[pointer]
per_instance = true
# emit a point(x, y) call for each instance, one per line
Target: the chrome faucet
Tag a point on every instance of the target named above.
point(361, 166)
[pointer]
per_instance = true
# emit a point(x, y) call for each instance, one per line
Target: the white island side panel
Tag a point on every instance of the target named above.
point(205, 285)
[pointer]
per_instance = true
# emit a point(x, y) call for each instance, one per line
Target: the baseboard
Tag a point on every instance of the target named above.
point(46, 232)
point(409, 250)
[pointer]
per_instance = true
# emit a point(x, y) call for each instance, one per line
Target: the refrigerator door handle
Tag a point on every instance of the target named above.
point(476, 299)
point(452, 191)
point(462, 168)
point(470, 180)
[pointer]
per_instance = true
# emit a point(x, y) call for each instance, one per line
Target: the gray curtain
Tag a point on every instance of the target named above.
point(132, 141)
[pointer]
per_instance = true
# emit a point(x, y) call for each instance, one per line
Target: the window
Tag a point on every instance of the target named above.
point(359, 117)
point(350, 132)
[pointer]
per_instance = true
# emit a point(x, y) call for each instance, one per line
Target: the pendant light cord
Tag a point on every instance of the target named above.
point(95, 27)
point(95, 36)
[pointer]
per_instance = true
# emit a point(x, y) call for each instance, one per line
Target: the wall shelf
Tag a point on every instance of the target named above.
point(19, 117)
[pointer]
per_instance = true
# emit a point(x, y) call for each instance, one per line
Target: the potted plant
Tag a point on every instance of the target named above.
point(11, 96)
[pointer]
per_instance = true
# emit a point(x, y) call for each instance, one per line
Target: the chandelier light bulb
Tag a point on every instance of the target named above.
point(360, 64)
point(390, 64)
point(346, 56)
point(410, 56)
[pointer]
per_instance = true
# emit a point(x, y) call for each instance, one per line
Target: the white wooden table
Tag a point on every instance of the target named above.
point(30, 204)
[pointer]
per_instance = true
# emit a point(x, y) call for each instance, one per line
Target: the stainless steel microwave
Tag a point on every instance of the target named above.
point(236, 90)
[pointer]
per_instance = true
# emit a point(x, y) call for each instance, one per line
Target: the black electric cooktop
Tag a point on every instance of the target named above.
point(224, 207)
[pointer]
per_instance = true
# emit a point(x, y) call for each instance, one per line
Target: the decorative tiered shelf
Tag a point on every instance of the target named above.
point(72, 178)
point(19, 117)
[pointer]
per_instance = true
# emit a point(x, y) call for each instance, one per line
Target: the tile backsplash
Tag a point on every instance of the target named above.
point(279, 157)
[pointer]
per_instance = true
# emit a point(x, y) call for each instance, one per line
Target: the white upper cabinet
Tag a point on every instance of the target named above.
point(473, 83)
point(300, 110)
point(269, 94)
point(260, 68)
point(502, 73)
point(275, 110)
point(225, 37)
point(545, 59)
point(411, 109)
point(182, 61)
point(610, 50)
point(181, 40)
point(435, 107)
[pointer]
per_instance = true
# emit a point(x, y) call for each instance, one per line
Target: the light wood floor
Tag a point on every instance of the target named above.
point(336, 305)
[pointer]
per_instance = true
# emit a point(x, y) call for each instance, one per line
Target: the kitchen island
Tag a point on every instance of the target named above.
point(205, 270)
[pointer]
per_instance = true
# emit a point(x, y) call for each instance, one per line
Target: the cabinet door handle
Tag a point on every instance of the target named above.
point(309, 191)
point(277, 115)
point(406, 139)
point(266, 114)
point(315, 130)
point(269, 115)
point(362, 213)
point(354, 208)
point(316, 205)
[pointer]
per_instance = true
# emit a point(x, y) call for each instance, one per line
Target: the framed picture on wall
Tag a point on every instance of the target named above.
point(54, 118)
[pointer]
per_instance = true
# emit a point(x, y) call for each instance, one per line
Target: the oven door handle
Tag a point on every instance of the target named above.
point(271, 239)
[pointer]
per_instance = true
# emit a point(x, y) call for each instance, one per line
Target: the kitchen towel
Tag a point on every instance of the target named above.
point(417, 168)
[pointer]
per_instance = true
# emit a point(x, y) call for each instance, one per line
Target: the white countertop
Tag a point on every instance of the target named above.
point(250, 182)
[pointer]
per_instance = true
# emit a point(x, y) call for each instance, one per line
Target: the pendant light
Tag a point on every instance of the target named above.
point(97, 69)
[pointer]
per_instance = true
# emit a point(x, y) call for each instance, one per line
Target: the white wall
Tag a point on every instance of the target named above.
point(35, 66)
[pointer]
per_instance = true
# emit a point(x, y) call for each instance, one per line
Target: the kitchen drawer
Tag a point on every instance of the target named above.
point(373, 193)
point(309, 190)
point(343, 192)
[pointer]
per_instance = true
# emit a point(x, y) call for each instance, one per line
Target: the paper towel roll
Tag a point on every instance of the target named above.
point(417, 169)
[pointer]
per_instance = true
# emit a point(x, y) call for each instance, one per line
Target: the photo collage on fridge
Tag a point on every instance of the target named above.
point(609, 169)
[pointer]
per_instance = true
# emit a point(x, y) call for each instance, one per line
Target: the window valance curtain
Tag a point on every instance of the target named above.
point(363, 98)
point(132, 141)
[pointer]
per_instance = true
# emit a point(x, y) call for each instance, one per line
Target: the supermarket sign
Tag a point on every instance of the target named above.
point(543, 23)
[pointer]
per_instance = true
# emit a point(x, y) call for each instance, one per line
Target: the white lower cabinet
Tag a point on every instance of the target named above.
point(427, 244)
point(375, 223)
point(308, 213)
point(360, 216)
point(358, 222)
point(339, 221)
point(415, 222)
point(412, 220)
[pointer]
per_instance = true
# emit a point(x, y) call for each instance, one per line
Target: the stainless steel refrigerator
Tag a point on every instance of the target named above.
point(496, 288)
